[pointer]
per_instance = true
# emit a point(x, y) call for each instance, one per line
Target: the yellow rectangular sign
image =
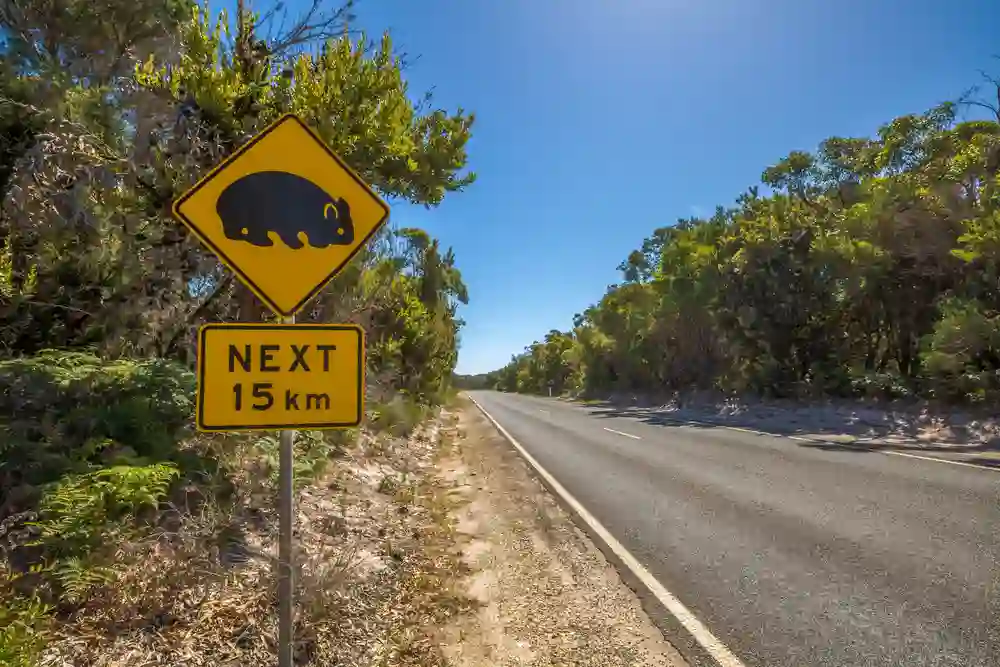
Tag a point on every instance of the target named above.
point(257, 377)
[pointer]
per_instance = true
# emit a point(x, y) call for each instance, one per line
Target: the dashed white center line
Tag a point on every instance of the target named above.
point(627, 435)
point(933, 459)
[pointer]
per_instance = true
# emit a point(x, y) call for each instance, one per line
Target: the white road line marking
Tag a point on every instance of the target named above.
point(937, 460)
point(712, 645)
point(627, 435)
point(934, 459)
point(878, 451)
point(745, 430)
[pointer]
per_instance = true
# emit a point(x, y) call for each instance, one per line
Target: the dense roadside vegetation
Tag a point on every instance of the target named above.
point(869, 269)
point(108, 111)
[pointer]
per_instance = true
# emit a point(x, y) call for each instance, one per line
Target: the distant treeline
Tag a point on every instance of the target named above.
point(481, 381)
point(871, 268)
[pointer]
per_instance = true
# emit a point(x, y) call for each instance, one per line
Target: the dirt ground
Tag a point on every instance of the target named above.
point(375, 569)
point(547, 594)
point(438, 549)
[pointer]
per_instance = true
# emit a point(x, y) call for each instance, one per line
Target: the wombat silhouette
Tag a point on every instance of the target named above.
point(286, 204)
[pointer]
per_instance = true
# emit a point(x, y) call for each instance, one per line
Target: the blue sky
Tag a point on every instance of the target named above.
point(599, 120)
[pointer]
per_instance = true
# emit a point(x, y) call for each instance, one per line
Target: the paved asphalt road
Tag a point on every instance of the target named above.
point(792, 554)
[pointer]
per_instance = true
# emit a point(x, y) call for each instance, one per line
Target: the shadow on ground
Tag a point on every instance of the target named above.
point(857, 437)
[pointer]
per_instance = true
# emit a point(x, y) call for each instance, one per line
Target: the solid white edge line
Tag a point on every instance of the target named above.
point(712, 645)
point(937, 460)
point(627, 435)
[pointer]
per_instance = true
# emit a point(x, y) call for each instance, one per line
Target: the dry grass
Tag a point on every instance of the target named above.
point(376, 572)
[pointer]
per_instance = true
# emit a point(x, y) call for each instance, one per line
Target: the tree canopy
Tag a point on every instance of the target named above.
point(109, 111)
point(870, 268)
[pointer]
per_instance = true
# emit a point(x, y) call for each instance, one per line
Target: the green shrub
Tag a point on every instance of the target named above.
point(62, 412)
point(86, 445)
point(961, 357)
point(882, 386)
point(75, 511)
point(399, 417)
point(313, 451)
point(23, 624)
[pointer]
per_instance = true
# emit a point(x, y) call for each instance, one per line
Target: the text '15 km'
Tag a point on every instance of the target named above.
point(272, 376)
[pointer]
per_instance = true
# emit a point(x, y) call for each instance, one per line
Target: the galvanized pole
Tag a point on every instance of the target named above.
point(286, 584)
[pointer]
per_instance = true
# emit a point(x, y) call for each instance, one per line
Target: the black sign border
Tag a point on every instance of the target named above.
point(222, 166)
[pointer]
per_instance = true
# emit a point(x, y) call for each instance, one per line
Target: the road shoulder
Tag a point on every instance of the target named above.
point(547, 595)
point(950, 436)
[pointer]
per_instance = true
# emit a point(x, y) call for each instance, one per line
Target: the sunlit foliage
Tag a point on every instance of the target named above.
point(870, 269)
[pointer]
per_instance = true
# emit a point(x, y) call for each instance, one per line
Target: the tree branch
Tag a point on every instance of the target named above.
point(223, 284)
point(314, 25)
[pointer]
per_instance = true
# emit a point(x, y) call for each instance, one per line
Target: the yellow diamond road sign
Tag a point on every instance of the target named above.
point(284, 213)
point(254, 377)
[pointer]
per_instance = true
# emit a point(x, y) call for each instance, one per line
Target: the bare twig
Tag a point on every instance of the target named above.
point(57, 306)
point(315, 24)
point(967, 98)
point(223, 285)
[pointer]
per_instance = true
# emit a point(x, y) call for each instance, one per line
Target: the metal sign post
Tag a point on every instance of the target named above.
point(286, 215)
point(286, 569)
point(280, 377)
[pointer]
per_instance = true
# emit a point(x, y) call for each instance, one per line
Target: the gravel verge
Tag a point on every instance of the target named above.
point(547, 594)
